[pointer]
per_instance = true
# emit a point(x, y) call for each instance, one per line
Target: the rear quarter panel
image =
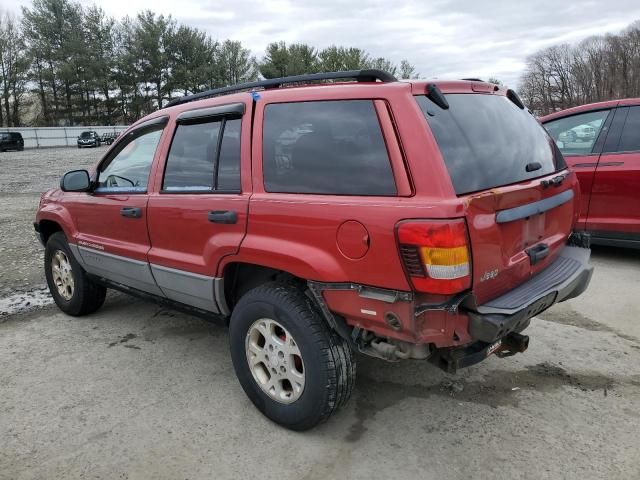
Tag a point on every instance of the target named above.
point(297, 232)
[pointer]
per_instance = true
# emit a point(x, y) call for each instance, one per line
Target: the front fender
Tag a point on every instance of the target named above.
point(56, 212)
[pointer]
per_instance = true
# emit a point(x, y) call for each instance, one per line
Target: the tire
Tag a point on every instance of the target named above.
point(84, 295)
point(326, 360)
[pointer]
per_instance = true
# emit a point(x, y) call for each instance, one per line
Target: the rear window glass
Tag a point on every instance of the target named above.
point(487, 141)
point(327, 147)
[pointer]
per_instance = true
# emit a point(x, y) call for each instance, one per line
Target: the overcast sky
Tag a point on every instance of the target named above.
point(442, 38)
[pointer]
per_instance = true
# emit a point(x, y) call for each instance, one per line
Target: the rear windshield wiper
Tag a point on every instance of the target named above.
point(436, 96)
point(513, 96)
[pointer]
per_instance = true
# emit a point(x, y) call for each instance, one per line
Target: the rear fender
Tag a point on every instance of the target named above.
point(301, 260)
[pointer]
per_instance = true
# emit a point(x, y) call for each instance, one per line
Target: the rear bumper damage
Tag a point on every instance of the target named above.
point(496, 325)
point(456, 333)
point(567, 277)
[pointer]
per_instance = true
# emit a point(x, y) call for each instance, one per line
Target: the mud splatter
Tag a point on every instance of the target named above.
point(496, 390)
point(23, 301)
point(125, 339)
point(575, 319)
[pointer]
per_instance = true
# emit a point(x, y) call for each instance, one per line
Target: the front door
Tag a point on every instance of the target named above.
point(199, 213)
point(112, 239)
point(579, 138)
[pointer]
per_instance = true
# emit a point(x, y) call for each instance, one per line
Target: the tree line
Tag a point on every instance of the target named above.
point(596, 69)
point(64, 63)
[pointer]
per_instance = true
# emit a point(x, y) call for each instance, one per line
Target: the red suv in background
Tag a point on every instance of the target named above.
point(601, 143)
point(401, 220)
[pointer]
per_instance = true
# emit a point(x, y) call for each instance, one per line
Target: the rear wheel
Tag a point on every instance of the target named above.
point(291, 365)
point(72, 290)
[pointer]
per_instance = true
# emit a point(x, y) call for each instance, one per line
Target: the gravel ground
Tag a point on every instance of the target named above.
point(23, 177)
point(138, 391)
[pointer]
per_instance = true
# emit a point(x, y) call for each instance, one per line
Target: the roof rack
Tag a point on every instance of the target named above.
point(370, 75)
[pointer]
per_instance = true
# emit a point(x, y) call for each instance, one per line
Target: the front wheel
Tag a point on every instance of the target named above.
point(72, 290)
point(291, 365)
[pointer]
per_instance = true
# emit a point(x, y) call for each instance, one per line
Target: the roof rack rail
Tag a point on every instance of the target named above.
point(472, 79)
point(369, 75)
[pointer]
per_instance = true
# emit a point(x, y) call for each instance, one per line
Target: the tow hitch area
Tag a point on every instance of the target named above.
point(452, 359)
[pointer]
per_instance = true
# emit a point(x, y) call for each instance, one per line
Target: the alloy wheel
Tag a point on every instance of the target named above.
point(62, 274)
point(275, 360)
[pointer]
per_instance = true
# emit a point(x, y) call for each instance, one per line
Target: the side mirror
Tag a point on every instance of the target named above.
point(75, 181)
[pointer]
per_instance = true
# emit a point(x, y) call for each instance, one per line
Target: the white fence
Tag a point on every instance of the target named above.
point(40, 137)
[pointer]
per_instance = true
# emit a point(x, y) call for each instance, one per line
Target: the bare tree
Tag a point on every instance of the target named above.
point(598, 68)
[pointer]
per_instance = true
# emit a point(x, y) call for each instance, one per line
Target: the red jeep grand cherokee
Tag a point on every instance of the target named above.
point(601, 143)
point(401, 220)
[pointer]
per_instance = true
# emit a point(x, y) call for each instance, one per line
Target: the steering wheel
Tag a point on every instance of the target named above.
point(112, 181)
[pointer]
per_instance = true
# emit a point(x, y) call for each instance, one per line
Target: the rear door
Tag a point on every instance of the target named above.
point(582, 152)
point(199, 213)
point(614, 211)
point(501, 163)
point(327, 182)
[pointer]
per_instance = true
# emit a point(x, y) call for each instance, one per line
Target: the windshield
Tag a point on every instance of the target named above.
point(86, 134)
point(487, 141)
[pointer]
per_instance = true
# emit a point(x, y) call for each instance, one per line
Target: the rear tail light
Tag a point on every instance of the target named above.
point(435, 254)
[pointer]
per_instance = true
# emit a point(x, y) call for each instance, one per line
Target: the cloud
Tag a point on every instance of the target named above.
point(442, 38)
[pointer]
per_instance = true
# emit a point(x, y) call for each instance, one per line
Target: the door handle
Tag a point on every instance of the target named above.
point(538, 253)
point(131, 212)
point(223, 216)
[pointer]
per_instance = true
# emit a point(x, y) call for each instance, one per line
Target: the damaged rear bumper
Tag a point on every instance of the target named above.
point(454, 332)
point(567, 277)
point(496, 325)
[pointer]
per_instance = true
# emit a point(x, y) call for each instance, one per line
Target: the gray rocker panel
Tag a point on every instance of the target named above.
point(129, 272)
point(186, 287)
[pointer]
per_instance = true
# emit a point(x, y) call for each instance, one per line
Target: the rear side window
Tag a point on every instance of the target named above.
point(630, 139)
point(487, 141)
point(196, 150)
point(327, 147)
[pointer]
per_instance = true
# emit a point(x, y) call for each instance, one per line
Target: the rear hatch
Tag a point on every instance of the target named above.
point(520, 201)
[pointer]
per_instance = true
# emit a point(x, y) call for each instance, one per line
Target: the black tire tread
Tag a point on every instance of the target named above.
point(339, 362)
point(91, 295)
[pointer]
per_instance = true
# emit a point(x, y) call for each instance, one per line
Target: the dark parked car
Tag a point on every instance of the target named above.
point(89, 139)
point(11, 141)
point(601, 143)
point(401, 220)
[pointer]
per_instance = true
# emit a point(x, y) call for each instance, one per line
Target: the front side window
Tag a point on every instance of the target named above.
point(325, 147)
point(129, 170)
point(200, 161)
point(576, 135)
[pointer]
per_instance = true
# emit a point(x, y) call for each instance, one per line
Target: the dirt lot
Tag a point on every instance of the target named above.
point(138, 391)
